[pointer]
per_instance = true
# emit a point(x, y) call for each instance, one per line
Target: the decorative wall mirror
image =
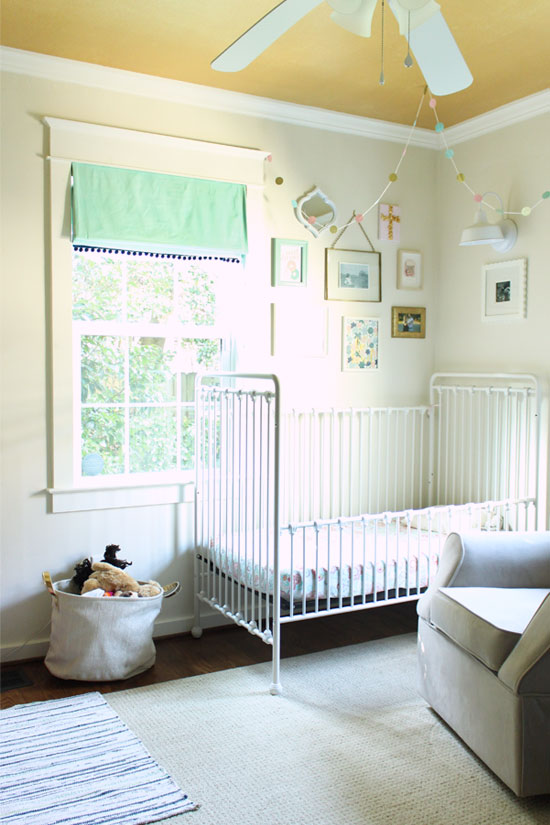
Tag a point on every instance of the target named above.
point(315, 211)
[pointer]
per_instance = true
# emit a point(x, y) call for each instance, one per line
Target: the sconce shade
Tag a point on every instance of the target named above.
point(502, 236)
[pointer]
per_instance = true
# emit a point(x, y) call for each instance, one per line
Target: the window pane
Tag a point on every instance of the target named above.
point(102, 368)
point(150, 289)
point(152, 439)
point(151, 363)
point(102, 441)
point(97, 287)
point(187, 439)
point(199, 354)
point(197, 296)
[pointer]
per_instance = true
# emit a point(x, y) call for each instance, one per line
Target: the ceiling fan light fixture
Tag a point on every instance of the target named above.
point(357, 22)
point(344, 6)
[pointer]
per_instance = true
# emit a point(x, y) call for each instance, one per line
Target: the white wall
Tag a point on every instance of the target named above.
point(514, 162)
point(352, 170)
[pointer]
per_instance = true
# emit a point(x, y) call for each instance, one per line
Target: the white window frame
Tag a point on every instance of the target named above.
point(126, 330)
point(70, 141)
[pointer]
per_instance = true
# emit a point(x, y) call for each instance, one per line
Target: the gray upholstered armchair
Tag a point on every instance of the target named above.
point(484, 651)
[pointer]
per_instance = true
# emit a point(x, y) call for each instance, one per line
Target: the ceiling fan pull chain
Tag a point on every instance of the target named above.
point(408, 60)
point(381, 81)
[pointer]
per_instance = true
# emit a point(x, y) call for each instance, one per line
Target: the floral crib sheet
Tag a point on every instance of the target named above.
point(333, 560)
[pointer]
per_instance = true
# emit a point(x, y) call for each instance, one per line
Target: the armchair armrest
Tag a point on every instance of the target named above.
point(527, 668)
point(491, 559)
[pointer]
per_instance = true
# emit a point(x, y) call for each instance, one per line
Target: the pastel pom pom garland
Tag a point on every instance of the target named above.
point(461, 178)
point(393, 176)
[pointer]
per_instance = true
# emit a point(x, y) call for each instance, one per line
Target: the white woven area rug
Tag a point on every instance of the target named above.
point(349, 743)
point(74, 761)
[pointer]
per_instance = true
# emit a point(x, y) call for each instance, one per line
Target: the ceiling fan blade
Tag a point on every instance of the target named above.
point(439, 58)
point(358, 22)
point(262, 34)
point(434, 47)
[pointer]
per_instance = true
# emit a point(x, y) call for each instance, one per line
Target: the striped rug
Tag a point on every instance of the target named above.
point(74, 761)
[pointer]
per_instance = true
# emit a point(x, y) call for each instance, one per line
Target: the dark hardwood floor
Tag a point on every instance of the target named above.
point(219, 649)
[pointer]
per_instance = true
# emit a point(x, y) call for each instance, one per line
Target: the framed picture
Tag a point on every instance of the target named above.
point(351, 275)
point(299, 331)
point(505, 290)
point(408, 322)
point(288, 262)
point(409, 269)
point(360, 340)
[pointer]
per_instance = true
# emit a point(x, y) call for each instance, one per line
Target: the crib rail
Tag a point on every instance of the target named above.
point(352, 461)
point(484, 437)
point(237, 458)
point(345, 564)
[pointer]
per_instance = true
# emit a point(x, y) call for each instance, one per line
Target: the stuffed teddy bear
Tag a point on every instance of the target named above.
point(112, 579)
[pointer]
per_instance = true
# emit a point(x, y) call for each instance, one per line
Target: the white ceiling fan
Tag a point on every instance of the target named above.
point(420, 21)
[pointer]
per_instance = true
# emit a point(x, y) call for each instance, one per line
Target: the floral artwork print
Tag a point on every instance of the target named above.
point(360, 344)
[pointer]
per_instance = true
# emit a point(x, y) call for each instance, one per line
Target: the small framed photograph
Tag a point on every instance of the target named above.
point(360, 341)
point(351, 275)
point(408, 322)
point(409, 269)
point(288, 262)
point(505, 290)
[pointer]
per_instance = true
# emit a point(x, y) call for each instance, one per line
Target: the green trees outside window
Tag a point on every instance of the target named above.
point(143, 326)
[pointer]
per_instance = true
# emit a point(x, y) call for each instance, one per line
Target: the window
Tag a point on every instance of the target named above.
point(143, 325)
point(67, 487)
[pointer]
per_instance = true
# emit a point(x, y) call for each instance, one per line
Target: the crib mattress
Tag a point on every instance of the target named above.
point(332, 562)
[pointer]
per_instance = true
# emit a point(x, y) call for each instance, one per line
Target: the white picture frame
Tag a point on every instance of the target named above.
point(409, 269)
point(505, 290)
point(299, 330)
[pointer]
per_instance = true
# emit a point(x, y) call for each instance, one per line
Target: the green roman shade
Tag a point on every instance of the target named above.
point(153, 212)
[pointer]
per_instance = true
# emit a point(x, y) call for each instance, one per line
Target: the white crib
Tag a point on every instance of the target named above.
point(302, 514)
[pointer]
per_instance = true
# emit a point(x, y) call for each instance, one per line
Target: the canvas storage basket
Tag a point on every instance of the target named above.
point(96, 640)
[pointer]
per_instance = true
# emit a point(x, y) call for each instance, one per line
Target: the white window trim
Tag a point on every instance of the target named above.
point(70, 141)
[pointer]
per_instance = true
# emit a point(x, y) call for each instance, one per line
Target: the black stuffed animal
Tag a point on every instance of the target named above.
point(110, 557)
point(84, 570)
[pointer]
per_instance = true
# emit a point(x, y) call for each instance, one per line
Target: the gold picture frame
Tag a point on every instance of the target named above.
point(353, 275)
point(408, 322)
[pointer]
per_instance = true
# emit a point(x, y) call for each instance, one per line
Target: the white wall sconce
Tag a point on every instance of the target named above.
point(501, 235)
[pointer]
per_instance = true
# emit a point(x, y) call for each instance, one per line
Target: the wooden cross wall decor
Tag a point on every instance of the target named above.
point(389, 220)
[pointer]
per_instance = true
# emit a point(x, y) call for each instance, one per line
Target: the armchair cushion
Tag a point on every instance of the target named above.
point(486, 621)
point(527, 668)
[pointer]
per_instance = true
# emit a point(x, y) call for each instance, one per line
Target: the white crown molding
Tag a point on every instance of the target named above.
point(522, 109)
point(177, 91)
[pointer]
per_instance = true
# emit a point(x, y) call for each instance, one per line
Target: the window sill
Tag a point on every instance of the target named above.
point(123, 495)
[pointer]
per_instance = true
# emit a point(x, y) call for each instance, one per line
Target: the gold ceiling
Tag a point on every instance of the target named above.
point(316, 63)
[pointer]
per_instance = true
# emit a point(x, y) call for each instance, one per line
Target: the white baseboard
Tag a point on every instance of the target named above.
point(37, 648)
point(171, 627)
